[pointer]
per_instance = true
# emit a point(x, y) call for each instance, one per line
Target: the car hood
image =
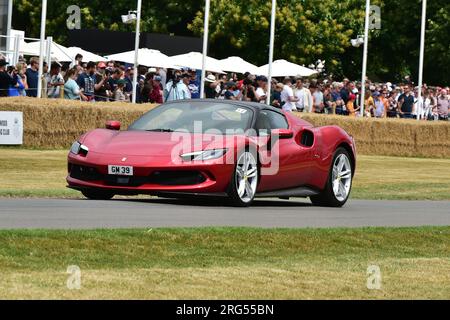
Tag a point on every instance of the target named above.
point(142, 143)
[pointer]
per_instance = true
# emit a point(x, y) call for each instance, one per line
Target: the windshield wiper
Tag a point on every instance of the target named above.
point(161, 130)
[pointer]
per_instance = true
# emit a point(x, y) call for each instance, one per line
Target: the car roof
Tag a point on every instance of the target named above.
point(256, 106)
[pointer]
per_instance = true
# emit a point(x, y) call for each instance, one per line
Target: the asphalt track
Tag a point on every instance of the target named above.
point(156, 212)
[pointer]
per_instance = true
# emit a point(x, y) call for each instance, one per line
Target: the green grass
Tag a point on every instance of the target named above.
point(41, 173)
point(228, 263)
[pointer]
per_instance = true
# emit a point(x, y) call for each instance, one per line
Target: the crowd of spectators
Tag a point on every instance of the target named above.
point(112, 81)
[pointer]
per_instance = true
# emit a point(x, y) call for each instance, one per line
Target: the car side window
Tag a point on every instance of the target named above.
point(268, 120)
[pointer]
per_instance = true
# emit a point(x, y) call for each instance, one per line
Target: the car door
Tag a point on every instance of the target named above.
point(283, 161)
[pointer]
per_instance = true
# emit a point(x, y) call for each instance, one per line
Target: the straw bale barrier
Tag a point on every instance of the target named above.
point(57, 123)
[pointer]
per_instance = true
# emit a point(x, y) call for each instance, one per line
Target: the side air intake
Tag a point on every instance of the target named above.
point(307, 138)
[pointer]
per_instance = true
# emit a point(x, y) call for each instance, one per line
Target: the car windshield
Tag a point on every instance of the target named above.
point(196, 117)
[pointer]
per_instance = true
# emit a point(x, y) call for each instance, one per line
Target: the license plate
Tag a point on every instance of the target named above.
point(120, 170)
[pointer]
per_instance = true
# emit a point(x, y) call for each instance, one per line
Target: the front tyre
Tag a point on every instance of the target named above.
point(339, 183)
point(97, 195)
point(244, 181)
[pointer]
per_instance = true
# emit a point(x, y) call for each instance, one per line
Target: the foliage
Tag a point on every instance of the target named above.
point(306, 30)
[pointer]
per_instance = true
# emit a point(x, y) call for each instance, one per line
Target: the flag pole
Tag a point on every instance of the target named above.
point(271, 45)
point(41, 48)
point(205, 48)
point(422, 53)
point(364, 66)
point(136, 50)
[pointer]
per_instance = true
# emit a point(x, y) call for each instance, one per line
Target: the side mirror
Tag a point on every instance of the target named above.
point(282, 133)
point(112, 125)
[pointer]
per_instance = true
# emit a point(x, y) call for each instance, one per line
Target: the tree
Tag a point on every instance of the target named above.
point(161, 17)
point(306, 30)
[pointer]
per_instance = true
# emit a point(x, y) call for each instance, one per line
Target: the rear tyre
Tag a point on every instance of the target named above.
point(97, 195)
point(339, 183)
point(244, 181)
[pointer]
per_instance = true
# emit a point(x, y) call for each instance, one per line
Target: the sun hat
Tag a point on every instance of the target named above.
point(210, 78)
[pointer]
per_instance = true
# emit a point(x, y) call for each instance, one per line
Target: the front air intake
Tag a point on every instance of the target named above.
point(176, 178)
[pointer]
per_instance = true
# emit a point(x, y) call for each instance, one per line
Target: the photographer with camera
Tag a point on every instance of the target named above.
point(177, 87)
point(19, 88)
point(248, 90)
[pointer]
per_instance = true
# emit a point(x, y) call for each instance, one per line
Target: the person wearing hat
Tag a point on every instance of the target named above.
point(183, 87)
point(156, 92)
point(56, 82)
point(210, 86)
point(101, 89)
point(6, 80)
point(178, 90)
point(351, 105)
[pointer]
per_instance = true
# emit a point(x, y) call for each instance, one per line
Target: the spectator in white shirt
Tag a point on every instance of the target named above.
point(305, 100)
point(55, 82)
point(261, 91)
point(183, 88)
point(287, 96)
point(178, 90)
point(318, 99)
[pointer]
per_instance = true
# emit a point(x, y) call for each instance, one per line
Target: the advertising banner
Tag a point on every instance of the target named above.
point(11, 128)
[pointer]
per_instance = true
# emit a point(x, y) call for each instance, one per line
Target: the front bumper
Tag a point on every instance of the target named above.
point(150, 177)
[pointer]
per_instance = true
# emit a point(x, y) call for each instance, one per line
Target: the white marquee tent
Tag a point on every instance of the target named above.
point(283, 68)
point(147, 57)
point(193, 60)
point(238, 65)
point(58, 52)
point(87, 56)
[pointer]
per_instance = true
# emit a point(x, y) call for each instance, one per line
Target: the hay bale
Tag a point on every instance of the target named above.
point(392, 137)
point(54, 123)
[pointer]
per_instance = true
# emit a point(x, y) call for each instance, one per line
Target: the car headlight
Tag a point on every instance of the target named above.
point(203, 155)
point(78, 148)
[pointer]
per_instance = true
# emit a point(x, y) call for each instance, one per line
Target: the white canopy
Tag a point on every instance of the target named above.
point(283, 68)
point(58, 52)
point(147, 57)
point(193, 60)
point(87, 56)
point(237, 64)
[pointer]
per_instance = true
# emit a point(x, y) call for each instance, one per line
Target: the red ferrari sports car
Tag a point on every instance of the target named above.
point(235, 149)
